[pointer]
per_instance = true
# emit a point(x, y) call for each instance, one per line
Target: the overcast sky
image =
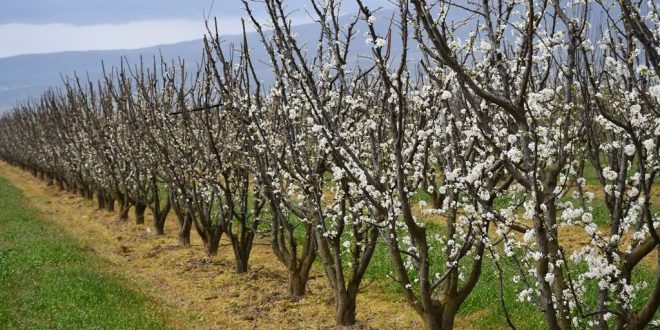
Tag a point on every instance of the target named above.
point(45, 26)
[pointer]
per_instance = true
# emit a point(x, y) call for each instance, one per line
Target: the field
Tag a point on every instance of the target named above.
point(205, 289)
point(112, 259)
point(49, 280)
point(423, 179)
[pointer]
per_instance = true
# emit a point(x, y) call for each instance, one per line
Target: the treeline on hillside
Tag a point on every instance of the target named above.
point(491, 134)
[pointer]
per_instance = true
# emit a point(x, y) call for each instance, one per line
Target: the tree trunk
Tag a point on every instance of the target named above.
point(297, 284)
point(185, 226)
point(547, 305)
point(100, 197)
point(212, 245)
point(241, 266)
point(159, 223)
point(86, 191)
point(123, 212)
point(140, 208)
point(211, 241)
point(345, 310)
point(74, 188)
point(184, 221)
point(124, 206)
point(642, 318)
point(110, 204)
point(242, 250)
point(242, 253)
point(449, 315)
point(184, 237)
point(432, 321)
point(160, 215)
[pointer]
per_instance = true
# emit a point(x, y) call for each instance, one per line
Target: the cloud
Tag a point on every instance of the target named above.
point(89, 12)
point(46, 26)
point(19, 38)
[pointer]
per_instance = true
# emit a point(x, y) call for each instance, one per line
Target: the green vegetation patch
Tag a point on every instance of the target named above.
point(49, 281)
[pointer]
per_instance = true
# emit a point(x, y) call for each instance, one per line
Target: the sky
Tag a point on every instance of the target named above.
point(46, 26)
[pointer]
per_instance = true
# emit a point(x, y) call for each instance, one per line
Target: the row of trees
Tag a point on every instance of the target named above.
point(495, 129)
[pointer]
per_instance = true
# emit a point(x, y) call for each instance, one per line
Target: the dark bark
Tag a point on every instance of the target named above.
point(140, 208)
point(185, 225)
point(184, 220)
point(645, 315)
point(85, 189)
point(297, 284)
point(432, 321)
point(345, 309)
point(242, 249)
point(61, 184)
point(124, 206)
point(101, 200)
point(285, 245)
point(542, 269)
point(123, 212)
point(160, 215)
point(210, 236)
point(109, 203)
point(159, 223)
point(241, 265)
point(345, 288)
point(212, 241)
point(89, 192)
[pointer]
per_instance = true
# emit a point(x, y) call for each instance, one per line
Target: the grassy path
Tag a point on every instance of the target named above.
point(48, 280)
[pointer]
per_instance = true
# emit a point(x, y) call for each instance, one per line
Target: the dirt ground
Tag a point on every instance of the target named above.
point(206, 289)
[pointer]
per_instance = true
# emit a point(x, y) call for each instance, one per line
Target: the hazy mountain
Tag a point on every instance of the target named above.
point(28, 76)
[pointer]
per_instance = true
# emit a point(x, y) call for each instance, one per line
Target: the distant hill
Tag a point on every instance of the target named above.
point(28, 76)
point(25, 76)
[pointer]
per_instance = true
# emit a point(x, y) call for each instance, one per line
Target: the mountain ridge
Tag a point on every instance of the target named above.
point(28, 76)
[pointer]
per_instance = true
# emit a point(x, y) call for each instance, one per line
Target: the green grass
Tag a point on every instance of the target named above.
point(591, 175)
point(484, 301)
point(483, 309)
point(49, 281)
